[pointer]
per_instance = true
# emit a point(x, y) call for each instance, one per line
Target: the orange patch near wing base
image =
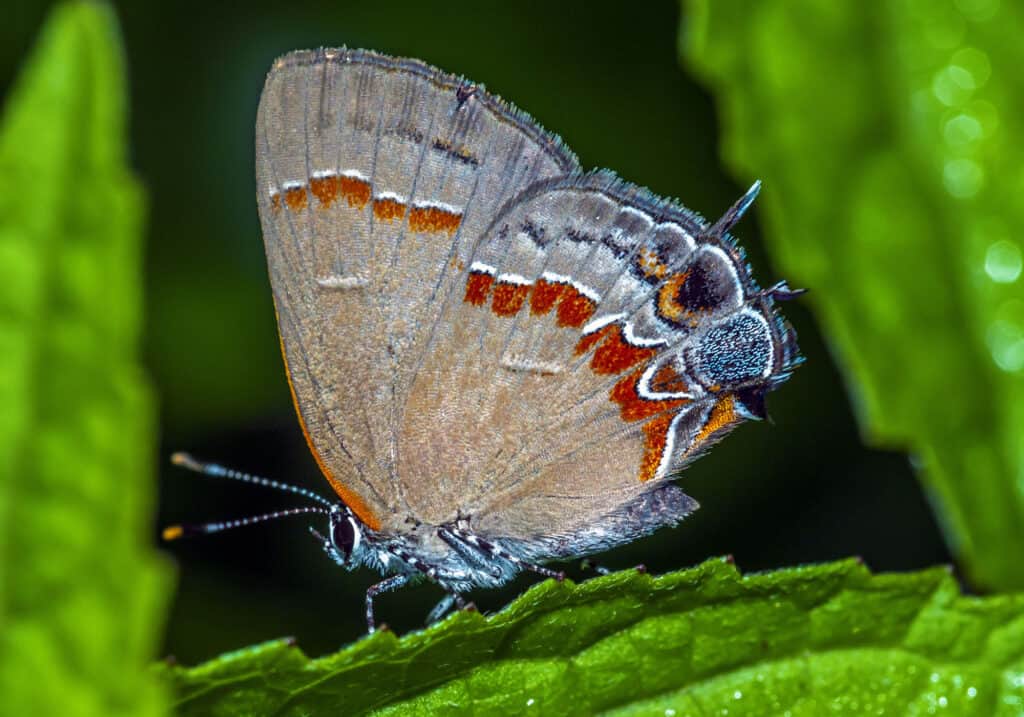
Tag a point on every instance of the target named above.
point(634, 407)
point(356, 504)
point(575, 309)
point(275, 202)
point(433, 219)
point(355, 191)
point(295, 198)
point(655, 441)
point(478, 288)
point(509, 298)
point(388, 209)
point(325, 189)
point(616, 354)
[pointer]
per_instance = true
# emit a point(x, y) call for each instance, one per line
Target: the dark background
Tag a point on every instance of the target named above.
point(605, 76)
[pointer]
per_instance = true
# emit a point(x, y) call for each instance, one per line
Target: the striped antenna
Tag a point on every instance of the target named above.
point(173, 532)
point(213, 469)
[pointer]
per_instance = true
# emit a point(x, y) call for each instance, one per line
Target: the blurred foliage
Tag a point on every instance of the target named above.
point(805, 641)
point(81, 599)
point(890, 138)
point(803, 490)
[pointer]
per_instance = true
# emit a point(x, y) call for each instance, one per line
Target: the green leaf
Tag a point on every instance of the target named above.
point(81, 598)
point(890, 138)
point(704, 641)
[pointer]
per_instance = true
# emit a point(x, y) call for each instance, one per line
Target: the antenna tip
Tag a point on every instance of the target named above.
point(173, 532)
point(185, 460)
point(744, 202)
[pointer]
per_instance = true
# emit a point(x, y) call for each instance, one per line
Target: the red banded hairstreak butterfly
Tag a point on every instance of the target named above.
point(498, 359)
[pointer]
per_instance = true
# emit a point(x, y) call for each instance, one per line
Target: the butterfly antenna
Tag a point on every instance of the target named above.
point(173, 532)
point(214, 469)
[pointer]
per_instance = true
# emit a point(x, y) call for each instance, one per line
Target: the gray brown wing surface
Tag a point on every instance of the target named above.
point(574, 392)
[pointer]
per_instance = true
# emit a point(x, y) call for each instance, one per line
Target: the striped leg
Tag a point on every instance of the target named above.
point(392, 583)
point(455, 536)
point(452, 598)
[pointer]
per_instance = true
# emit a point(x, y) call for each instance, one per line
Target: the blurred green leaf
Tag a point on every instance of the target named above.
point(804, 641)
point(890, 138)
point(81, 599)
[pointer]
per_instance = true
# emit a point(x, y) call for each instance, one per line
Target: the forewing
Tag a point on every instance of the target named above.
point(376, 179)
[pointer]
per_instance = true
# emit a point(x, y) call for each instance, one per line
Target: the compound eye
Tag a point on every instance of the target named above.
point(345, 536)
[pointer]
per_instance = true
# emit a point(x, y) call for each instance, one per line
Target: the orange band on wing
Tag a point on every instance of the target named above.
point(508, 298)
point(478, 288)
point(575, 308)
point(632, 407)
point(325, 189)
point(655, 442)
point(433, 219)
point(295, 198)
point(388, 209)
point(545, 295)
point(356, 504)
point(616, 354)
point(355, 191)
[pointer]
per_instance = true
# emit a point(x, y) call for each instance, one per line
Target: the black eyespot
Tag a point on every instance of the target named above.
point(343, 535)
point(709, 285)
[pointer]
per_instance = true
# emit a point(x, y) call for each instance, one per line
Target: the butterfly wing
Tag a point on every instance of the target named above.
point(603, 340)
point(376, 178)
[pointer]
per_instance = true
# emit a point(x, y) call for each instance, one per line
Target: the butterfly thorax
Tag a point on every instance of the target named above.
point(451, 554)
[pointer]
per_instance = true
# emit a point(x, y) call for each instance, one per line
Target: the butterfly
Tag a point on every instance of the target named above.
point(499, 360)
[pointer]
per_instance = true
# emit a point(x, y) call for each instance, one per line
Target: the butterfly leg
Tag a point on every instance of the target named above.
point(588, 564)
point(441, 608)
point(452, 598)
point(452, 533)
point(392, 583)
point(430, 572)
